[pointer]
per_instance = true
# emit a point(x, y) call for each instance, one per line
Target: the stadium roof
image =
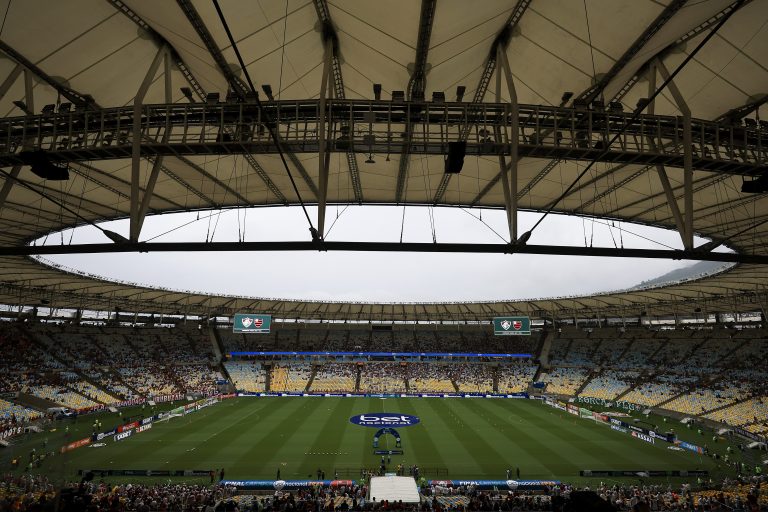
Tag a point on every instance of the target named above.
point(112, 59)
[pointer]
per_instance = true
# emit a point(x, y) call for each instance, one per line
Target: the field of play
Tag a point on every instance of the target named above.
point(456, 438)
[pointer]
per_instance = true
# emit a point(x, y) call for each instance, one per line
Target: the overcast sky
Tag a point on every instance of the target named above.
point(363, 276)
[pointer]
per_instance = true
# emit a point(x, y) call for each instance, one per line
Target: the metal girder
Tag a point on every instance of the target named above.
point(235, 83)
point(323, 155)
point(195, 86)
point(72, 95)
point(180, 64)
point(383, 247)
point(136, 203)
point(187, 186)
point(213, 179)
point(666, 14)
point(329, 33)
point(685, 226)
point(499, 46)
point(509, 182)
point(738, 4)
point(417, 84)
point(739, 113)
point(10, 80)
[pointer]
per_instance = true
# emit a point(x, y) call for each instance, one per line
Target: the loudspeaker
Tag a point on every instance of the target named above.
point(455, 160)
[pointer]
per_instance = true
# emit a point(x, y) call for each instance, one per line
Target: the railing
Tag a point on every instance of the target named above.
point(380, 127)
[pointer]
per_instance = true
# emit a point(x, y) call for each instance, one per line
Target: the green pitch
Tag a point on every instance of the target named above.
point(253, 438)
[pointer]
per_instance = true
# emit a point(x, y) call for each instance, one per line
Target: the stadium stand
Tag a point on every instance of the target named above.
point(247, 375)
point(335, 378)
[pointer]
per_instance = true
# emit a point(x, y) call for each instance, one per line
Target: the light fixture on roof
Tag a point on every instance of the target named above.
point(377, 91)
point(187, 92)
point(370, 159)
point(268, 91)
point(460, 90)
point(41, 164)
point(567, 95)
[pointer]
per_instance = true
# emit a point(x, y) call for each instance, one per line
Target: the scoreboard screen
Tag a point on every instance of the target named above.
point(512, 326)
point(247, 323)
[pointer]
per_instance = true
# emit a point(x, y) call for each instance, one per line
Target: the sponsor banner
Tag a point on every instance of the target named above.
point(245, 323)
point(643, 437)
point(572, 409)
point(102, 435)
point(278, 485)
point(529, 485)
point(512, 326)
point(691, 447)
point(384, 419)
point(600, 417)
point(76, 444)
point(228, 395)
point(13, 431)
point(147, 420)
point(628, 406)
point(128, 426)
point(749, 435)
point(618, 428)
point(585, 413)
point(122, 435)
point(144, 428)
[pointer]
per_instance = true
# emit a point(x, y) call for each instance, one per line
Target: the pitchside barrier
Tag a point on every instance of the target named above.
point(388, 395)
point(642, 473)
point(145, 472)
point(615, 424)
point(126, 430)
point(358, 472)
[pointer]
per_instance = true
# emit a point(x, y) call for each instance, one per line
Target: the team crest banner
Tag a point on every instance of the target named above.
point(512, 326)
point(245, 323)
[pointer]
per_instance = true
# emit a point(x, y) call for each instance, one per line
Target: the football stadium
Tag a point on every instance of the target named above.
point(394, 255)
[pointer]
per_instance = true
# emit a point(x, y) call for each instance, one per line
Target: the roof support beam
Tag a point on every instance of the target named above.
point(29, 101)
point(10, 80)
point(738, 4)
point(597, 89)
point(136, 220)
point(323, 154)
point(329, 33)
point(235, 83)
point(687, 228)
point(500, 44)
point(509, 182)
point(737, 114)
point(417, 84)
point(72, 95)
point(566, 250)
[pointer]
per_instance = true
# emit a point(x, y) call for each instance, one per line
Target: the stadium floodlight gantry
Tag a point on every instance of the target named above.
point(646, 112)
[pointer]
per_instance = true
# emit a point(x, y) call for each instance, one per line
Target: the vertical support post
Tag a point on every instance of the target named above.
point(135, 226)
point(158, 163)
point(687, 156)
point(29, 100)
point(322, 139)
point(512, 181)
point(10, 80)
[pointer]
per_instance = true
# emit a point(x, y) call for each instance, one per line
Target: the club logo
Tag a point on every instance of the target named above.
point(512, 484)
point(246, 322)
point(257, 322)
point(278, 484)
point(384, 419)
point(506, 324)
point(517, 325)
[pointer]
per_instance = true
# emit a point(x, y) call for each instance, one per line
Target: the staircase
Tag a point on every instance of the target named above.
point(34, 402)
point(546, 347)
point(311, 379)
point(357, 376)
point(268, 379)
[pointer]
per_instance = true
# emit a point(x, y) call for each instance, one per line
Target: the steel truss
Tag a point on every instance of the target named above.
point(380, 127)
